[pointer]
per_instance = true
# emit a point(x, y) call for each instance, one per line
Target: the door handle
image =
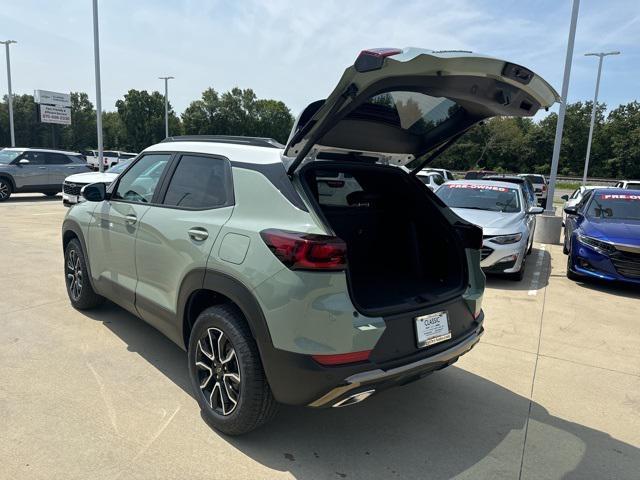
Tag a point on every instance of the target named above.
point(42, 168)
point(198, 234)
point(130, 219)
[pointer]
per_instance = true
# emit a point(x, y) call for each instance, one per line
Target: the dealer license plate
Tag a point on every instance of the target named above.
point(432, 329)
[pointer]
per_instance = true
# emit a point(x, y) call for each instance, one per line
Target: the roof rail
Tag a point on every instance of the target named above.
point(252, 141)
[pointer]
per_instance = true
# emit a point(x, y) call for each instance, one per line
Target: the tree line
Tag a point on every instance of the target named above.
point(500, 144)
point(138, 120)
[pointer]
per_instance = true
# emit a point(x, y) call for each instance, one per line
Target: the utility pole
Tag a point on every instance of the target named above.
point(10, 97)
point(601, 55)
point(96, 56)
point(166, 104)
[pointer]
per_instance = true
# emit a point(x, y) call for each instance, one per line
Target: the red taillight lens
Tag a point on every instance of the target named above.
point(342, 358)
point(306, 251)
point(373, 58)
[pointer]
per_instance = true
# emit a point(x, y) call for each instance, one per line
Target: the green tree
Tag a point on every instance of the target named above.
point(113, 131)
point(82, 133)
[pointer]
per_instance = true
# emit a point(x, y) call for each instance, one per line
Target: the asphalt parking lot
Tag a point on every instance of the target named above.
point(552, 391)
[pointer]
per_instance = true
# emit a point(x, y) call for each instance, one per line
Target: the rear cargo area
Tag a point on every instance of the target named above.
point(402, 253)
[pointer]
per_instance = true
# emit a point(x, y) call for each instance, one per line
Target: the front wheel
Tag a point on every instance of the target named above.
point(79, 288)
point(571, 275)
point(5, 189)
point(226, 372)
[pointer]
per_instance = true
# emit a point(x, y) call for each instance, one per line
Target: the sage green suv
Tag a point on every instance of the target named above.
point(316, 273)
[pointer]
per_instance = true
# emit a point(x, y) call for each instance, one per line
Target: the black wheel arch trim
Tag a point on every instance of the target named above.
point(71, 226)
point(9, 177)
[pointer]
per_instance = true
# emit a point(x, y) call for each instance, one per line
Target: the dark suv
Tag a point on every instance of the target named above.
point(37, 170)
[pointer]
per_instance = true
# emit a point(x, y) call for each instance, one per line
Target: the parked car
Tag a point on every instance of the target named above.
point(109, 158)
point(528, 187)
point(36, 170)
point(506, 216)
point(431, 179)
point(446, 174)
point(73, 184)
point(573, 199)
point(540, 184)
point(477, 174)
point(628, 184)
point(602, 236)
point(277, 295)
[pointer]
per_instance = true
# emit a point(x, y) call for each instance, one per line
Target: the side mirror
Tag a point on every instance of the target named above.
point(95, 192)
point(565, 198)
point(536, 210)
point(23, 161)
point(571, 210)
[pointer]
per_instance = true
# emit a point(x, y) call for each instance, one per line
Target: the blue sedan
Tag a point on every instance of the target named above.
point(602, 236)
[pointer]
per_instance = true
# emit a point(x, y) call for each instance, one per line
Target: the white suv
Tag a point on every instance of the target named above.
point(110, 157)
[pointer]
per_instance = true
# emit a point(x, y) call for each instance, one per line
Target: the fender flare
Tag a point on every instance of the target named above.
point(232, 289)
point(9, 177)
point(71, 226)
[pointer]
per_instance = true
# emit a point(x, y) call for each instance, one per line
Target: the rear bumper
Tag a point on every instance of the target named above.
point(297, 379)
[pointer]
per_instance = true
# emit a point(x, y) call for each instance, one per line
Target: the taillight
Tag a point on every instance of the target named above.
point(544, 188)
point(373, 58)
point(306, 251)
point(342, 358)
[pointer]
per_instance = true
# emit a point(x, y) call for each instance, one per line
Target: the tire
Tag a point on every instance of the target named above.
point(231, 406)
point(530, 249)
point(76, 275)
point(519, 275)
point(51, 194)
point(565, 245)
point(5, 189)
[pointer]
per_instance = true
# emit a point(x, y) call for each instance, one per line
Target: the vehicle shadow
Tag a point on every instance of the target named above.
point(613, 288)
point(538, 261)
point(36, 197)
point(451, 423)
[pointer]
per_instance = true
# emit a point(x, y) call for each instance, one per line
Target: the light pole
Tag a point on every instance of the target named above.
point(96, 57)
point(601, 55)
point(10, 97)
point(166, 104)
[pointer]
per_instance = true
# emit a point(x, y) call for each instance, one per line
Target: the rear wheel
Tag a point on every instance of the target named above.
point(226, 372)
point(79, 288)
point(5, 189)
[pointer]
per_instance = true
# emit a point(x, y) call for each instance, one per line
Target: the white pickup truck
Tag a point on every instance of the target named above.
point(110, 157)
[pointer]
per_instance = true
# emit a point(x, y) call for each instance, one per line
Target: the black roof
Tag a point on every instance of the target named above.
point(252, 141)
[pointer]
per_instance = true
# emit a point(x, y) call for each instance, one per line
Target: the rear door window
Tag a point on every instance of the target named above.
point(200, 182)
point(56, 159)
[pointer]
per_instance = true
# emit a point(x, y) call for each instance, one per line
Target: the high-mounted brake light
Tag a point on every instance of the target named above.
point(306, 251)
point(373, 58)
point(342, 358)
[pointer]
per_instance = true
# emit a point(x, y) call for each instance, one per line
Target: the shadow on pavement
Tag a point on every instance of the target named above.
point(435, 428)
point(531, 281)
point(613, 288)
point(36, 197)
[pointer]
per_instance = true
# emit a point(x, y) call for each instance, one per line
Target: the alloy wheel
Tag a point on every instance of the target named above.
point(218, 371)
point(74, 275)
point(4, 190)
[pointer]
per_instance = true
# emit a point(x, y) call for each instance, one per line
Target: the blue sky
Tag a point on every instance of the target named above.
point(296, 51)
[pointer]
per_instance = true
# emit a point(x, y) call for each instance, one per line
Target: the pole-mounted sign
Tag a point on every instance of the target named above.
point(54, 107)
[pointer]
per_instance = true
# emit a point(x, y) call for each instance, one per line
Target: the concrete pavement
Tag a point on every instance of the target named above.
point(552, 391)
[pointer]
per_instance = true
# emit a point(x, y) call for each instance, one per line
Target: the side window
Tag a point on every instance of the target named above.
point(140, 182)
point(56, 159)
point(575, 194)
point(200, 182)
point(438, 179)
point(35, 158)
point(584, 201)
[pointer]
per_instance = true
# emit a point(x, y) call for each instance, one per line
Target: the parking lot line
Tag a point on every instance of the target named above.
point(535, 279)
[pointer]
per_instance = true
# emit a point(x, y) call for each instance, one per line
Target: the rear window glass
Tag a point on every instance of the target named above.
point(480, 197)
point(537, 179)
point(633, 186)
point(414, 112)
point(336, 188)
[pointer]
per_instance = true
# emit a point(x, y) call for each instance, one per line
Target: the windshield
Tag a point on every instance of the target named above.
point(615, 206)
point(119, 168)
point(480, 197)
point(8, 156)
